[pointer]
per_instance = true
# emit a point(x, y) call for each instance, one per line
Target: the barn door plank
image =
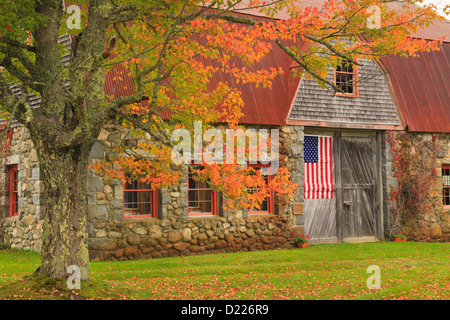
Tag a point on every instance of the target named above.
point(358, 164)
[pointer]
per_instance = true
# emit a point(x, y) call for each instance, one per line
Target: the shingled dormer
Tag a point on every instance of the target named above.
point(369, 104)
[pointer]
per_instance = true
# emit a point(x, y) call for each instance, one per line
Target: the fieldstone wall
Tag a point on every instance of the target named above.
point(291, 157)
point(432, 223)
point(172, 232)
point(24, 230)
point(163, 237)
point(111, 236)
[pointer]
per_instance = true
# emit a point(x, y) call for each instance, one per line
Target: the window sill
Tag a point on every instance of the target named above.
point(346, 95)
point(130, 218)
point(202, 216)
point(260, 214)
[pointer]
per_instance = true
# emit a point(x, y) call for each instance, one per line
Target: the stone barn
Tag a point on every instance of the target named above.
point(334, 145)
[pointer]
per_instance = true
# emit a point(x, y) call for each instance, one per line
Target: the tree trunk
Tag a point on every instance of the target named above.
point(64, 234)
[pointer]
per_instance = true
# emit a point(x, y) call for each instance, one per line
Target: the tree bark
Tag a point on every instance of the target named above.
point(64, 234)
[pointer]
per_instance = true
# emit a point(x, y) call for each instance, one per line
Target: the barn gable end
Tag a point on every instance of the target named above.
point(373, 108)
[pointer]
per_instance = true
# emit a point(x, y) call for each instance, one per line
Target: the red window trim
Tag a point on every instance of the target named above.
point(13, 192)
point(270, 199)
point(445, 166)
point(214, 201)
point(153, 199)
point(355, 93)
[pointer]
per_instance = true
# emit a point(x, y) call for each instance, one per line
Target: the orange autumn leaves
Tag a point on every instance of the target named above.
point(246, 187)
point(145, 162)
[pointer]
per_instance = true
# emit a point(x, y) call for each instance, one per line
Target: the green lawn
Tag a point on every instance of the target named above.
point(335, 271)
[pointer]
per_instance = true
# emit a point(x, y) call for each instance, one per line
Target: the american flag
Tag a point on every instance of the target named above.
point(318, 167)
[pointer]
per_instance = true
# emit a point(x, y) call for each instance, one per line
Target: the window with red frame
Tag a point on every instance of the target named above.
point(139, 199)
point(446, 185)
point(13, 191)
point(346, 78)
point(267, 204)
point(202, 199)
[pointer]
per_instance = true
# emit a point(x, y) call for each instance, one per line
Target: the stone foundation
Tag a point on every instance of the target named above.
point(163, 238)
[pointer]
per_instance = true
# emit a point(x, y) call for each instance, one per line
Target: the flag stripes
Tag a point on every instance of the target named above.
point(318, 167)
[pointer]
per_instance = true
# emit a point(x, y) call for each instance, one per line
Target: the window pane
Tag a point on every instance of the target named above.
point(200, 201)
point(445, 177)
point(144, 185)
point(264, 206)
point(130, 185)
point(13, 190)
point(345, 77)
point(16, 180)
point(137, 198)
point(200, 196)
point(265, 203)
point(446, 198)
point(130, 199)
point(347, 67)
point(340, 79)
point(349, 87)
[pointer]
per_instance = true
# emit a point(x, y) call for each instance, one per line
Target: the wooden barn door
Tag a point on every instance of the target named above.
point(358, 175)
point(350, 214)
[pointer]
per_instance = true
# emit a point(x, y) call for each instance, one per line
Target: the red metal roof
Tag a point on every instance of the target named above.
point(422, 88)
point(268, 106)
point(264, 106)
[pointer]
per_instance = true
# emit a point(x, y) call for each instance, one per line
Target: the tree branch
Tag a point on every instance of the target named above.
point(331, 48)
point(6, 62)
point(17, 44)
point(14, 52)
point(306, 67)
point(17, 106)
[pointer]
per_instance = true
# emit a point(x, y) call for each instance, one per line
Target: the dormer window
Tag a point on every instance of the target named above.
point(346, 78)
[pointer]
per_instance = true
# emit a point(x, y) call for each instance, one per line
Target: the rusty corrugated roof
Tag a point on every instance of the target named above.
point(268, 106)
point(263, 106)
point(421, 86)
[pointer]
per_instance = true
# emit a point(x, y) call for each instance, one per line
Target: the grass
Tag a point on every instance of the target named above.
point(333, 271)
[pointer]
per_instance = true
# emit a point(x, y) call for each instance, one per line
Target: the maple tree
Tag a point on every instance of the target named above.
point(161, 55)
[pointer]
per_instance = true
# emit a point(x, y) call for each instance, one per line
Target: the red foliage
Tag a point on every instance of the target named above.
point(5, 145)
point(415, 171)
